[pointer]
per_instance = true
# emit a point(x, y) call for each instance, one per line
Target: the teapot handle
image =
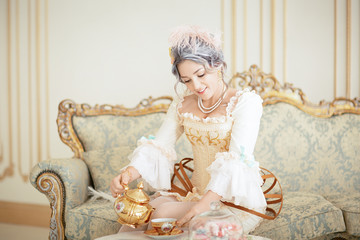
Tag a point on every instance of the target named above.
point(126, 187)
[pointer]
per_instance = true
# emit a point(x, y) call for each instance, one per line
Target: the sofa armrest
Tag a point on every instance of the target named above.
point(65, 183)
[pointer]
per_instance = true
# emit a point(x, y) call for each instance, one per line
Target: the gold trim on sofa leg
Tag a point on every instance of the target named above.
point(50, 184)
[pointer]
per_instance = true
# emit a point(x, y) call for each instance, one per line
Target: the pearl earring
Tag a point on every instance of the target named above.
point(220, 75)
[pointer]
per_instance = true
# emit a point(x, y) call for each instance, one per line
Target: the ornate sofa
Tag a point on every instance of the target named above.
point(313, 149)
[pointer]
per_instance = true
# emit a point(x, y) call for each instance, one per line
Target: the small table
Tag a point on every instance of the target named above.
point(139, 235)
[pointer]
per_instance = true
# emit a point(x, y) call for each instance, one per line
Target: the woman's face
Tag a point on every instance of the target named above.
point(202, 83)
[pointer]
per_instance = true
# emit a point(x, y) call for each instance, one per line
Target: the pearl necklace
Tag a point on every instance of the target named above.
point(213, 107)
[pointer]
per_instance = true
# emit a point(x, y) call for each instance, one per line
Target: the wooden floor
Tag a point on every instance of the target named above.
point(21, 232)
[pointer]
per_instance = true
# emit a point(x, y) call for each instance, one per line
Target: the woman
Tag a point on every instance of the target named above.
point(222, 125)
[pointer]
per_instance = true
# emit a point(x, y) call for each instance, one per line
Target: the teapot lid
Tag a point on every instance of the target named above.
point(138, 195)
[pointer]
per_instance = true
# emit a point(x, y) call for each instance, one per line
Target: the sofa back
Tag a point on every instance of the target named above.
point(309, 147)
point(105, 127)
point(308, 153)
point(110, 131)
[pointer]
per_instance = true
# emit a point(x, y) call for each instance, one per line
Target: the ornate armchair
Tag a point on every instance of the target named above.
point(99, 133)
point(313, 149)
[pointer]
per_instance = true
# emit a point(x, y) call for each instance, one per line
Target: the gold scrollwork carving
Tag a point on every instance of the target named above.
point(50, 184)
point(9, 170)
point(268, 87)
point(68, 109)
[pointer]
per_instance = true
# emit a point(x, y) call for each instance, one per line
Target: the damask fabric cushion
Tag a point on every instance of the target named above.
point(107, 132)
point(104, 165)
point(307, 153)
point(350, 206)
point(91, 220)
point(337, 236)
point(303, 216)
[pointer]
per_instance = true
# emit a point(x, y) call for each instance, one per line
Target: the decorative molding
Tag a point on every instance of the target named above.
point(50, 184)
point(68, 109)
point(348, 47)
point(245, 34)
point(30, 88)
point(38, 76)
point(16, 99)
point(222, 20)
point(269, 88)
point(46, 72)
point(335, 48)
point(24, 176)
point(234, 37)
point(284, 39)
point(9, 170)
point(261, 34)
point(273, 38)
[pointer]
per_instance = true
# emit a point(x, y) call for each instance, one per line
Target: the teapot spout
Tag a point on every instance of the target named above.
point(149, 214)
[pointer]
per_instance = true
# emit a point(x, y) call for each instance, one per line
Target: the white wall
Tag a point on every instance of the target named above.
point(116, 52)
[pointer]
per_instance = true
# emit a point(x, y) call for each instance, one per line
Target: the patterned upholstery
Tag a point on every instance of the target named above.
point(304, 216)
point(317, 161)
point(107, 132)
point(310, 154)
point(72, 172)
point(91, 220)
point(350, 205)
point(105, 164)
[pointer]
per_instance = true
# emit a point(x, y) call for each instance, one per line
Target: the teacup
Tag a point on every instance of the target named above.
point(163, 226)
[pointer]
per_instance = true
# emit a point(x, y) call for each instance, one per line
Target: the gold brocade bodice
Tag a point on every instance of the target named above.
point(207, 138)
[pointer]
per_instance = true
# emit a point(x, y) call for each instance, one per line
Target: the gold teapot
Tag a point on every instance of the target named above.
point(133, 207)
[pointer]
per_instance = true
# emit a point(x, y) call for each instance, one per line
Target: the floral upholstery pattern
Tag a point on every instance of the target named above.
point(310, 216)
point(310, 154)
point(91, 220)
point(107, 132)
point(350, 206)
point(317, 161)
point(104, 165)
point(337, 236)
point(304, 216)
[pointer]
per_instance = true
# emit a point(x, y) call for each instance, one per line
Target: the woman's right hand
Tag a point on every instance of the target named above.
point(124, 178)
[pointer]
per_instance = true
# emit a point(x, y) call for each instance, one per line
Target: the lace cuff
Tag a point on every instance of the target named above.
point(244, 158)
point(237, 182)
point(154, 162)
point(168, 152)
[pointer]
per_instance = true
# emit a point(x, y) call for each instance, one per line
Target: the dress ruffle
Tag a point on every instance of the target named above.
point(221, 119)
point(169, 153)
point(154, 162)
point(236, 181)
point(233, 100)
point(192, 196)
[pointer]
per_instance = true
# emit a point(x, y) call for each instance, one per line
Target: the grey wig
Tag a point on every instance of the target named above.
point(200, 52)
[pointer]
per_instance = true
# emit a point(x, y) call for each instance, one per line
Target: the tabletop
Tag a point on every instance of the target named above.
point(139, 235)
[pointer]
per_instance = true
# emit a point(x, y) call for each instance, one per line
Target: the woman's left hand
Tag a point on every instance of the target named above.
point(202, 206)
point(195, 210)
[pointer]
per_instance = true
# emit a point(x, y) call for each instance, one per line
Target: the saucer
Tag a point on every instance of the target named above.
point(152, 233)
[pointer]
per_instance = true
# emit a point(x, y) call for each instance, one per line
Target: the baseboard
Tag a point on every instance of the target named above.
point(25, 214)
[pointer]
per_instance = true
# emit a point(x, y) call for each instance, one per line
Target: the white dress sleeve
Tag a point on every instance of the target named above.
point(155, 158)
point(235, 174)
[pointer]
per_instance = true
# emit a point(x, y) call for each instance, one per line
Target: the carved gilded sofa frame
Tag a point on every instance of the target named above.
point(50, 183)
point(269, 88)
